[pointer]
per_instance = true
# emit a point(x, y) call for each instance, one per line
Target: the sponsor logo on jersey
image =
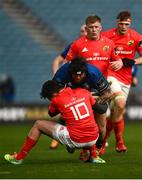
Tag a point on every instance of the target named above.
point(74, 102)
point(120, 50)
point(123, 52)
point(130, 43)
point(84, 49)
point(96, 54)
point(97, 59)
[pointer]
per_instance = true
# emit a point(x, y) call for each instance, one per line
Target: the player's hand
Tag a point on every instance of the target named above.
point(134, 81)
point(105, 97)
point(116, 65)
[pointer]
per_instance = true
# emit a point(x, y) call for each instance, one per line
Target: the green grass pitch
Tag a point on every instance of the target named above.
point(43, 163)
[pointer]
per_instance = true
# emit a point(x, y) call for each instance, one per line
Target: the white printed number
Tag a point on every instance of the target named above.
point(76, 112)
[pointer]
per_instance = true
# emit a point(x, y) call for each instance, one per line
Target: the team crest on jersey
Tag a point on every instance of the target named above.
point(105, 48)
point(131, 42)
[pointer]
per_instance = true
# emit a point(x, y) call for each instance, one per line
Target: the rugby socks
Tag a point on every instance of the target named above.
point(27, 146)
point(118, 130)
point(93, 153)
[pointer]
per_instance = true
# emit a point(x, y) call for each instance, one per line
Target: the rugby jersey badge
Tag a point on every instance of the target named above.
point(131, 42)
point(105, 48)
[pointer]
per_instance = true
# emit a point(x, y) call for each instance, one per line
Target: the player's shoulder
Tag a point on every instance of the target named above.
point(134, 33)
point(109, 32)
point(106, 40)
point(80, 40)
point(62, 71)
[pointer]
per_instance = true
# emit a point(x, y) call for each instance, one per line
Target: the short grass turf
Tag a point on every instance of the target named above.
point(43, 163)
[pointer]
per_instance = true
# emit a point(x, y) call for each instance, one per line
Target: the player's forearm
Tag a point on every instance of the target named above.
point(105, 96)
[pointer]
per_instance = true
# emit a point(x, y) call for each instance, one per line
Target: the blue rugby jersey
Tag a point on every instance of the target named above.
point(65, 51)
point(94, 81)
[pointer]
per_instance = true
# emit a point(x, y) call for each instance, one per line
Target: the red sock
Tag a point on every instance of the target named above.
point(93, 151)
point(118, 130)
point(27, 146)
point(109, 127)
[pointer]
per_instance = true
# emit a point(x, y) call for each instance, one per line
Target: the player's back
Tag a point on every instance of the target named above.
point(75, 106)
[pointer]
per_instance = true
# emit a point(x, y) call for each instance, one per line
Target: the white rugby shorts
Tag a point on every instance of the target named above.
point(61, 134)
point(117, 86)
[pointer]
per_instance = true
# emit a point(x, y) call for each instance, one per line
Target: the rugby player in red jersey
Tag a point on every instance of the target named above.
point(127, 42)
point(98, 50)
point(76, 107)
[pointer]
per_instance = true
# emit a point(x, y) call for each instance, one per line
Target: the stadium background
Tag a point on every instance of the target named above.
point(32, 33)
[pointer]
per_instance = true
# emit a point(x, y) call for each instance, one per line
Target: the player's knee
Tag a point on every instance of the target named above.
point(119, 102)
point(38, 124)
point(102, 126)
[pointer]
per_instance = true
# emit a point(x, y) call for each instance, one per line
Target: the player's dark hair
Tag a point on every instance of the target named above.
point(78, 65)
point(92, 19)
point(123, 15)
point(49, 88)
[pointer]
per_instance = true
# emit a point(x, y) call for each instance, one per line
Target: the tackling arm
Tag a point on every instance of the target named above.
point(105, 96)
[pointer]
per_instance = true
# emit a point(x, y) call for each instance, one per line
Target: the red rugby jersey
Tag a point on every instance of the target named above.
point(75, 106)
point(126, 46)
point(98, 53)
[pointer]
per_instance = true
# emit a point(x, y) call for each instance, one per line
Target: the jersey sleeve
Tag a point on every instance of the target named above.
point(97, 80)
point(139, 48)
point(73, 52)
point(65, 51)
point(53, 108)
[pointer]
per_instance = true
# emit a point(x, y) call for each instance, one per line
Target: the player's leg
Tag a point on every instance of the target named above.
point(118, 123)
point(101, 121)
point(109, 128)
point(40, 127)
point(84, 154)
point(54, 143)
point(120, 94)
point(116, 114)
